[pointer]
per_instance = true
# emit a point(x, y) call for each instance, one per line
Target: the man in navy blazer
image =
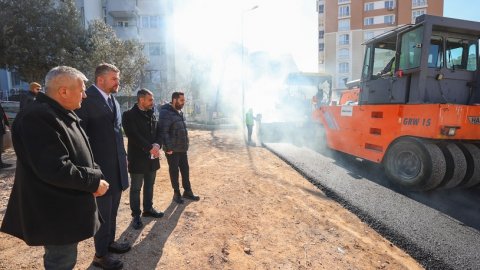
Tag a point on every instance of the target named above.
point(101, 119)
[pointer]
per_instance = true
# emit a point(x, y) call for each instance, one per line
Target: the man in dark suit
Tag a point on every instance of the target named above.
point(101, 119)
point(52, 203)
point(140, 126)
point(4, 125)
point(173, 135)
point(30, 96)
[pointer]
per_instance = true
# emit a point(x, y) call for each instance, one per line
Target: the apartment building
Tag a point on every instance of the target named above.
point(143, 20)
point(344, 25)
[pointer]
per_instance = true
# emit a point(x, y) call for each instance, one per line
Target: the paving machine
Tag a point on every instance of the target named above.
point(417, 111)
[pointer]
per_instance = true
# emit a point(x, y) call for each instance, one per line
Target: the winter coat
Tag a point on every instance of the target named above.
point(141, 130)
point(171, 130)
point(52, 200)
point(3, 121)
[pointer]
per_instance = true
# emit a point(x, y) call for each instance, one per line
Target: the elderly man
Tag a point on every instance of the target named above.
point(52, 203)
point(29, 97)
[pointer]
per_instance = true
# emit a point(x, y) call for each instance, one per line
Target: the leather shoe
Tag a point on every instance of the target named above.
point(152, 213)
point(137, 223)
point(107, 262)
point(119, 248)
point(177, 198)
point(190, 196)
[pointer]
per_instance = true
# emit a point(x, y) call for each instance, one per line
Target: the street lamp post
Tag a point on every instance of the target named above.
point(243, 65)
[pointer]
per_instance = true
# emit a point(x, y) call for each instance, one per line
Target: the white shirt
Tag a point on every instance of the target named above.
point(104, 95)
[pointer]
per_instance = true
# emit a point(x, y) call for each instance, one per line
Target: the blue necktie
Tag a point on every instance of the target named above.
point(110, 103)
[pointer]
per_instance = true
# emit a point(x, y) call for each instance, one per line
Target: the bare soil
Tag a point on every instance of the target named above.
point(255, 212)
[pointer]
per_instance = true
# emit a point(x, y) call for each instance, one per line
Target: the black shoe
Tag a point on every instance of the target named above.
point(177, 198)
point(152, 213)
point(5, 165)
point(137, 223)
point(107, 262)
point(190, 196)
point(119, 248)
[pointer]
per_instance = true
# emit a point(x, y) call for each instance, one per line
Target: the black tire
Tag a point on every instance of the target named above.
point(472, 155)
point(456, 168)
point(415, 164)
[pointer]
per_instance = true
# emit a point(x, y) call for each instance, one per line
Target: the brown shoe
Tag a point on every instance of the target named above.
point(107, 262)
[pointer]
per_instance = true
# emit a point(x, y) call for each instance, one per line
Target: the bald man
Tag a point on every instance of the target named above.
point(52, 203)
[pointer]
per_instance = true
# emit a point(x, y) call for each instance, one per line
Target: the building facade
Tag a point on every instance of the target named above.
point(344, 25)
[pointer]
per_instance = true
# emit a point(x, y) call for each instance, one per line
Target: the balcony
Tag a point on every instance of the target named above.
point(130, 32)
point(122, 8)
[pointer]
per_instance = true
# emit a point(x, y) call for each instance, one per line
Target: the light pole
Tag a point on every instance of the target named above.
point(243, 66)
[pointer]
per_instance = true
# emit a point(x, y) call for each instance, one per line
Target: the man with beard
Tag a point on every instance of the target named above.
point(101, 120)
point(140, 126)
point(173, 135)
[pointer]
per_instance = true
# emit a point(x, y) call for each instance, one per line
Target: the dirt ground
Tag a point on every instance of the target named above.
point(255, 212)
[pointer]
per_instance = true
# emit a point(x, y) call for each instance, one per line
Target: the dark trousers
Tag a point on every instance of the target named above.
point(1, 148)
point(108, 207)
point(148, 179)
point(176, 161)
point(61, 257)
point(250, 130)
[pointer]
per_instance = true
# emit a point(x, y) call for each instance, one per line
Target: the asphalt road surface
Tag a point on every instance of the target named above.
point(441, 229)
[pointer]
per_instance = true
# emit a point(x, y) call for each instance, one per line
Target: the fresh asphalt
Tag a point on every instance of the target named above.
point(440, 229)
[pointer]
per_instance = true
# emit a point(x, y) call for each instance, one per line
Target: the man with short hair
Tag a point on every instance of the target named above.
point(140, 126)
point(29, 97)
point(102, 121)
point(52, 203)
point(173, 135)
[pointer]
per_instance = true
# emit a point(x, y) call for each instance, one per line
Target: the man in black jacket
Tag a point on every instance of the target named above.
point(140, 126)
point(52, 203)
point(30, 96)
point(173, 135)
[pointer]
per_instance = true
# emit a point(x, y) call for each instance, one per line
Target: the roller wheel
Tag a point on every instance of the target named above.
point(456, 165)
point(415, 164)
point(472, 155)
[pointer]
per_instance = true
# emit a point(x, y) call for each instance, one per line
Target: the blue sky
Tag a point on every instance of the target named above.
point(462, 9)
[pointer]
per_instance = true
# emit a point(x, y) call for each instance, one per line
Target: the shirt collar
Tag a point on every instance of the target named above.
point(104, 95)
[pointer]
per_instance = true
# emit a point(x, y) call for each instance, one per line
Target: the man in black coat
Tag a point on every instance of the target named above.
point(101, 119)
point(52, 203)
point(4, 125)
point(30, 96)
point(140, 126)
point(173, 135)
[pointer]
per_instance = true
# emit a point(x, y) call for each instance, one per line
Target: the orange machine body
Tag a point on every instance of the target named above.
point(366, 131)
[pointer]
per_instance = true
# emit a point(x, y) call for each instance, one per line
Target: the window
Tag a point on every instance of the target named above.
point(321, 47)
point(366, 62)
point(419, 3)
point(150, 21)
point(321, 34)
point(417, 13)
point(321, 8)
point(435, 54)
point(343, 53)
point(344, 39)
point(461, 54)
point(389, 5)
point(411, 49)
point(383, 60)
point(343, 1)
point(344, 11)
point(344, 25)
point(152, 76)
point(368, 21)
point(104, 9)
point(343, 67)
point(369, 6)
point(389, 19)
point(154, 49)
point(122, 23)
